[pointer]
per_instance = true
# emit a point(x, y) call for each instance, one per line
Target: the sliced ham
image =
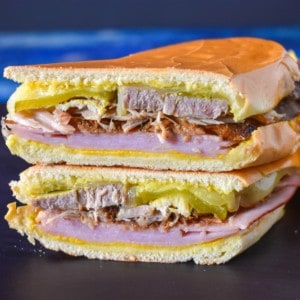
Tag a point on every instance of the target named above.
point(207, 145)
point(176, 236)
point(290, 180)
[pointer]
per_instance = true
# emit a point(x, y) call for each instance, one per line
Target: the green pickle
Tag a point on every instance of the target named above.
point(28, 96)
point(183, 198)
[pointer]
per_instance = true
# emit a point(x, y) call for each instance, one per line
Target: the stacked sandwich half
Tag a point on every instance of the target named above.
point(186, 152)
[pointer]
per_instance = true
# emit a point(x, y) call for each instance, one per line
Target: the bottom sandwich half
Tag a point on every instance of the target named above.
point(152, 216)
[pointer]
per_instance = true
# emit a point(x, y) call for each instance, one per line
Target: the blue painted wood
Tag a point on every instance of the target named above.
point(47, 47)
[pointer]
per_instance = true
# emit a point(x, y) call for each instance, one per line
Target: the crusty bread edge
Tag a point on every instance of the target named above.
point(215, 252)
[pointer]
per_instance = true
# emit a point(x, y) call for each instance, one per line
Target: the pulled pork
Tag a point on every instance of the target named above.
point(147, 110)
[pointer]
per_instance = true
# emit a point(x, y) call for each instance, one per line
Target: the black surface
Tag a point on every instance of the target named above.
point(268, 270)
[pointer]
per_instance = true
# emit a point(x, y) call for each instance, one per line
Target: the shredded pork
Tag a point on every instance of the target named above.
point(146, 110)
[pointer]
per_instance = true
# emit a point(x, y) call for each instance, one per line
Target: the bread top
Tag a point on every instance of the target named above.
point(226, 57)
point(254, 73)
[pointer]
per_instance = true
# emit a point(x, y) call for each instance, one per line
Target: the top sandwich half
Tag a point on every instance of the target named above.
point(210, 105)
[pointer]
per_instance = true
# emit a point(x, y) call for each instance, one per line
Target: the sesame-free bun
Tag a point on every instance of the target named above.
point(253, 74)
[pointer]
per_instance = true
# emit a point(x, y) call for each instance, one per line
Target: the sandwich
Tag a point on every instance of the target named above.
point(133, 214)
point(211, 105)
point(185, 152)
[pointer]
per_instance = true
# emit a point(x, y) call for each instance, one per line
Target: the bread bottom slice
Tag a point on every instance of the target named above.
point(214, 252)
point(267, 143)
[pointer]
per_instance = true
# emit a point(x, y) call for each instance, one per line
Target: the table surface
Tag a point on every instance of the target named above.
point(271, 268)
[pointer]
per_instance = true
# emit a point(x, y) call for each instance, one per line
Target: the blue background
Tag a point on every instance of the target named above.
point(35, 31)
point(35, 47)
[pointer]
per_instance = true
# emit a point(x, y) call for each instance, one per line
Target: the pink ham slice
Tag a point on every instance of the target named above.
point(207, 145)
point(176, 236)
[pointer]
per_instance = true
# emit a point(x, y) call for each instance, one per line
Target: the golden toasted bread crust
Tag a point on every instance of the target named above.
point(223, 56)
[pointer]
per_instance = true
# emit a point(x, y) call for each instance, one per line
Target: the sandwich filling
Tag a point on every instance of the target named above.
point(135, 117)
point(145, 203)
point(172, 214)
